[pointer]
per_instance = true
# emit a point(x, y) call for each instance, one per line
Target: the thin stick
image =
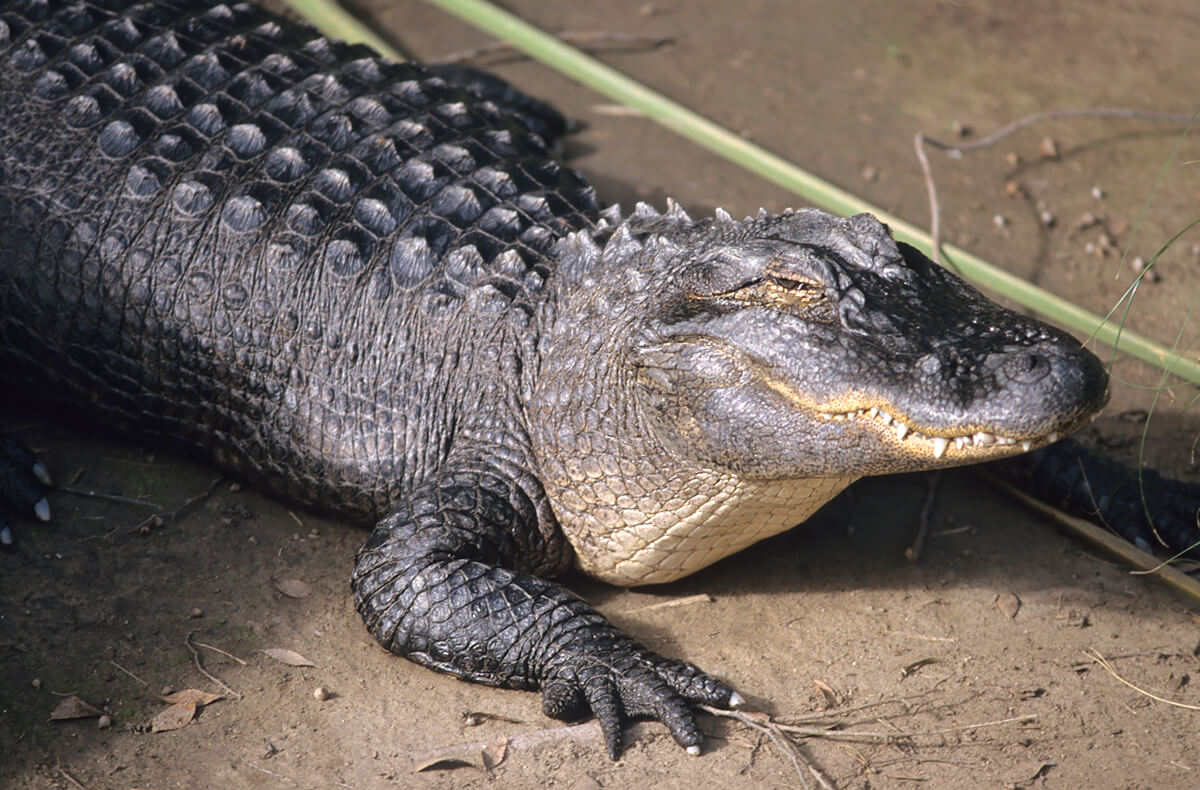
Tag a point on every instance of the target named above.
point(222, 652)
point(199, 666)
point(108, 497)
point(1096, 656)
point(75, 782)
point(935, 214)
point(913, 552)
point(127, 672)
point(956, 148)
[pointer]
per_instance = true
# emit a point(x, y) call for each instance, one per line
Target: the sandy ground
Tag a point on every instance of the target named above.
point(829, 615)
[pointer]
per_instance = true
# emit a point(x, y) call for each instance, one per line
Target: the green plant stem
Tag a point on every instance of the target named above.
point(335, 22)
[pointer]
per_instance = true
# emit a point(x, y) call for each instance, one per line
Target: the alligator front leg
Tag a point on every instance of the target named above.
point(445, 582)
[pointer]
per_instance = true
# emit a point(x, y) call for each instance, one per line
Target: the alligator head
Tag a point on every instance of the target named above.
point(708, 383)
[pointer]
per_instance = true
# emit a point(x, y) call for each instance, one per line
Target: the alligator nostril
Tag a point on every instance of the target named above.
point(1027, 367)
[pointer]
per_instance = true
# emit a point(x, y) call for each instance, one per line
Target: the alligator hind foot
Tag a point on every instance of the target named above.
point(450, 582)
point(23, 483)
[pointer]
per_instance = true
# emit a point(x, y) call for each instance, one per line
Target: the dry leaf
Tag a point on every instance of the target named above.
point(827, 692)
point(1009, 604)
point(289, 657)
point(194, 696)
point(174, 717)
point(493, 753)
point(73, 707)
point(293, 588)
point(445, 764)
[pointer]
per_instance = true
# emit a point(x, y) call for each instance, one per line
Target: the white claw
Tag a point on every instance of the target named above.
point(42, 474)
point(693, 750)
point(736, 700)
point(42, 509)
point(940, 443)
point(901, 431)
point(6, 538)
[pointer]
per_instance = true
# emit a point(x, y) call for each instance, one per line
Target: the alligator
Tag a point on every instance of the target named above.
point(369, 289)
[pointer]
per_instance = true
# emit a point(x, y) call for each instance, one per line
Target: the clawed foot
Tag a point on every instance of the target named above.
point(23, 483)
point(616, 679)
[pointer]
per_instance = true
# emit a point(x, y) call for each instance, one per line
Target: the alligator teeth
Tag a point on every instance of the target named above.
point(1026, 445)
point(901, 431)
point(887, 418)
point(940, 443)
point(961, 441)
point(874, 412)
point(1052, 438)
point(984, 439)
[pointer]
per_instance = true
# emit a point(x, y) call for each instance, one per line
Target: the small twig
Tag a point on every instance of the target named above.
point(265, 771)
point(177, 512)
point(775, 732)
point(899, 735)
point(957, 148)
point(841, 712)
point(589, 42)
point(109, 497)
point(222, 652)
point(1096, 656)
point(913, 552)
point(200, 667)
point(935, 214)
point(74, 782)
point(127, 672)
point(684, 601)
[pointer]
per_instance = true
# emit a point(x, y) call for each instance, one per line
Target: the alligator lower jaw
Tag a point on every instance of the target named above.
point(979, 441)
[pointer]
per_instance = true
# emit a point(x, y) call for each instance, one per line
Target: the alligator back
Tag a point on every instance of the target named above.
point(219, 227)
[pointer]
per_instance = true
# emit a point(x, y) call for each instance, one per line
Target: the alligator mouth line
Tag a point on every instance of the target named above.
point(939, 444)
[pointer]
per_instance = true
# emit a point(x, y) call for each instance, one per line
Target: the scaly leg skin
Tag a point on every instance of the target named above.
point(23, 483)
point(1073, 479)
point(445, 582)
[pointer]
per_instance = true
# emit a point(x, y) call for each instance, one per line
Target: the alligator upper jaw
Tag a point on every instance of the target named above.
point(949, 447)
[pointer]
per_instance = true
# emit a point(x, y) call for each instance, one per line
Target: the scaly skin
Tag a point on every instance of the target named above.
point(371, 291)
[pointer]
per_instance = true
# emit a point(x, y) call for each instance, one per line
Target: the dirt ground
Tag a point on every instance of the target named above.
point(828, 614)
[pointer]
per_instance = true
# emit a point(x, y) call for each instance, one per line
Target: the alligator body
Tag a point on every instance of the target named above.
point(372, 291)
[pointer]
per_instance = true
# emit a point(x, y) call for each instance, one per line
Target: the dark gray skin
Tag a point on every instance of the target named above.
point(373, 292)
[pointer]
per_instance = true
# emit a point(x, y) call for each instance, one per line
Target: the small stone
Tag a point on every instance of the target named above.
point(196, 612)
point(36, 683)
point(104, 722)
point(959, 128)
point(1000, 221)
point(1048, 148)
point(869, 173)
point(1048, 219)
point(1147, 272)
point(320, 694)
point(1097, 193)
point(166, 691)
point(1012, 158)
point(235, 487)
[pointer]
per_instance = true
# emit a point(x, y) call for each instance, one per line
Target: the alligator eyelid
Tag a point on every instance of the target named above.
point(793, 284)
